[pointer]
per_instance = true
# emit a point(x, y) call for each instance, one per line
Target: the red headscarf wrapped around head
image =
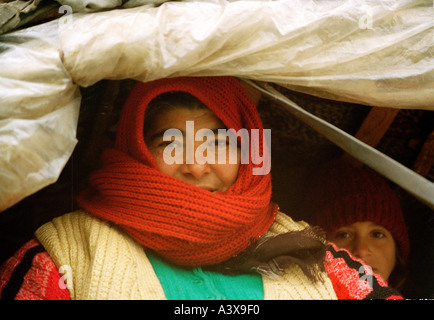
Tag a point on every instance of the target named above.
point(183, 223)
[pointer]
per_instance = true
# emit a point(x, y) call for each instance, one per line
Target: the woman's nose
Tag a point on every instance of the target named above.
point(195, 170)
point(361, 248)
point(195, 165)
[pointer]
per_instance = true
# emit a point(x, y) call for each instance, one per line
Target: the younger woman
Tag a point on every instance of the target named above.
point(360, 213)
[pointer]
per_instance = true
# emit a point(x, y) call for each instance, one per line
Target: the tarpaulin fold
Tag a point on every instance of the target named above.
point(375, 53)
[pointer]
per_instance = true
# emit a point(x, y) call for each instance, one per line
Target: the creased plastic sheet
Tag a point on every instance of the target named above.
point(99, 5)
point(371, 52)
point(39, 107)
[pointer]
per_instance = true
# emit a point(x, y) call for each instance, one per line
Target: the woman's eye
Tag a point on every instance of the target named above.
point(164, 143)
point(172, 143)
point(342, 235)
point(378, 234)
point(221, 142)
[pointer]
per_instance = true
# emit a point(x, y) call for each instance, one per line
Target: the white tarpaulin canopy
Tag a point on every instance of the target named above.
point(376, 53)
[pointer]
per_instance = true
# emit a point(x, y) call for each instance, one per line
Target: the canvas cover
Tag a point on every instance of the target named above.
point(375, 53)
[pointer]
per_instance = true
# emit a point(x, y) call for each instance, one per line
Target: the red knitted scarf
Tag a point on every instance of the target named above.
point(182, 223)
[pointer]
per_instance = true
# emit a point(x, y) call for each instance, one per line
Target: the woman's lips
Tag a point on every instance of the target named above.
point(211, 189)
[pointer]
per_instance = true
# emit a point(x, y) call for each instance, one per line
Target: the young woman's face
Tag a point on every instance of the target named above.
point(370, 242)
point(211, 176)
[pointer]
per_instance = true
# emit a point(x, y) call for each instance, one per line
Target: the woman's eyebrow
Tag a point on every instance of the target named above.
point(159, 134)
point(216, 131)
point(376, 225)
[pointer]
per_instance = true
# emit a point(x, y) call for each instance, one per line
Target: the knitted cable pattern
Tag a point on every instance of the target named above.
point(182, 223)
point(105, 253)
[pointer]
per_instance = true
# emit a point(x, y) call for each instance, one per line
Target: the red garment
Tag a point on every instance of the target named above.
point(352, 279)
point(343, 194)
point(40, 280)
point(185, 224)
point(31, 275)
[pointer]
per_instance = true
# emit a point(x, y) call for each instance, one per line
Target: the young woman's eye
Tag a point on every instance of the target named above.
point(378, 234)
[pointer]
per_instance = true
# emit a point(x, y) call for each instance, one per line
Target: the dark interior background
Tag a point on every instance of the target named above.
point(297, 151)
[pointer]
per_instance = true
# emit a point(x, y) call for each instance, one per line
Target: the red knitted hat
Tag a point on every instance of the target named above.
point(343, 194)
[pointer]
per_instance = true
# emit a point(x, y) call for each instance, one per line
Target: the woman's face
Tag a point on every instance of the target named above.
point(210, 175)
point(369, 242)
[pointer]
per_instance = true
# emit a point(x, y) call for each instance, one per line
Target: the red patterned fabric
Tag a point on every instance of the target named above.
point(183, 223)
point(37, 279)
point(41, 278)
point(352, 279)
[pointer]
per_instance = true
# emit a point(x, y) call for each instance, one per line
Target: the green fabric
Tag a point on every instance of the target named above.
point(185, 283)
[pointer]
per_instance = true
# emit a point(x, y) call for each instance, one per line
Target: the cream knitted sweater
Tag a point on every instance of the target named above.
point(100, 261)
